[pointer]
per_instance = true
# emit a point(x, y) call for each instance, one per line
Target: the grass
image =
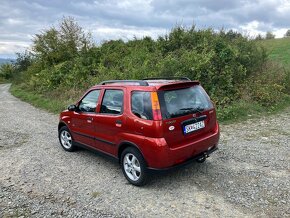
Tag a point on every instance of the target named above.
point(236, 112)
point(278, 49)
point(52, 104)
point(242, 110)
point(239, 111)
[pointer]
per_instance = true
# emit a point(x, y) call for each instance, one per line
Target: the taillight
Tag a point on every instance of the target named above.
point(155, 106)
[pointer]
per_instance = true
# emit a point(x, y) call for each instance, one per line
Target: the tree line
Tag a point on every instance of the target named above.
point(230, 66)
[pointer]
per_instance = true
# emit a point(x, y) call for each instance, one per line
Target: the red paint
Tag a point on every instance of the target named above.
point(160, 146)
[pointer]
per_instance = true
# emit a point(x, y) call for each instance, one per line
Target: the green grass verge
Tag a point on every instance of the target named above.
point(278, 49)
point(242, 110)
point(37, 100)
point(237, 112)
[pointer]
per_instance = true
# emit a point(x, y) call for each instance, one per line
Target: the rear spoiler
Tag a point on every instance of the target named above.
point(178, 85)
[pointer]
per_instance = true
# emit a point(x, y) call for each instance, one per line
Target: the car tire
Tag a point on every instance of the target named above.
point(134, 166)
point(65, 139)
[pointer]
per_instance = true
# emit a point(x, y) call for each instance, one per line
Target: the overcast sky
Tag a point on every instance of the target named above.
point(113, 19)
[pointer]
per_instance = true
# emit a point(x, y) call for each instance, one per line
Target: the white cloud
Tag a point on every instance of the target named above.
point(280, 33)
point(11, 47)
point(105, 33)
point(20, 19)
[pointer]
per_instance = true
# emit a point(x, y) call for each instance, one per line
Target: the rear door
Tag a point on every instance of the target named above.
point(187, 113)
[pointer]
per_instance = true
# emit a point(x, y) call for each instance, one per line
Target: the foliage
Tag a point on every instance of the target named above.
point(278, 50)
point(270, 35)
point(287, 34)
point(56, 45)
point(6, 71)
point(63, 62)
point(270, 86)
point(259, 37)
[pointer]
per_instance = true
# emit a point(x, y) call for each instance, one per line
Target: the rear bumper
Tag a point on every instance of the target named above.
point(187, 162)
point(159, 155)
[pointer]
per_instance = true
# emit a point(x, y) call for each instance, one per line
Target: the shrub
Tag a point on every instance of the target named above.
point(229, 65)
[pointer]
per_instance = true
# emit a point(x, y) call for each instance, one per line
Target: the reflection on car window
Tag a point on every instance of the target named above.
point(141, 105)
point(180, 102)
point(89, 102)
point(112, 102)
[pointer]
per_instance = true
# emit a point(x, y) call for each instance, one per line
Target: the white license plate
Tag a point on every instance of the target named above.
point(193, 127)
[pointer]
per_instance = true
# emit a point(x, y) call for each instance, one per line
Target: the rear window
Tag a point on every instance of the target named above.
point(141, 105)
point(112, 102)
point(180, 102)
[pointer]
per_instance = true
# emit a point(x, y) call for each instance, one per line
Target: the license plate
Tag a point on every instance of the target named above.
point(193, 127)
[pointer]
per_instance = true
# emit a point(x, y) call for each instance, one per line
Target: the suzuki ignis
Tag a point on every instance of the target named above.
point(147, 125)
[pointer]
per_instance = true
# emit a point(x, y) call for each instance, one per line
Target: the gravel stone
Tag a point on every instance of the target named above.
point(249, 176)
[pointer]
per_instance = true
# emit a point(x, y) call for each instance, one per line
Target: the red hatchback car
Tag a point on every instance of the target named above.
point(150, 124)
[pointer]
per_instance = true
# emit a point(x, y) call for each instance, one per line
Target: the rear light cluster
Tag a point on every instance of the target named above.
point(155, 106)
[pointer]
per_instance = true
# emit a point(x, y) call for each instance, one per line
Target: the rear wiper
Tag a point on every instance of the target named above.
point(193, 109)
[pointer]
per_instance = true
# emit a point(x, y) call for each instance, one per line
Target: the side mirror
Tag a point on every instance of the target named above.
point(72, 107)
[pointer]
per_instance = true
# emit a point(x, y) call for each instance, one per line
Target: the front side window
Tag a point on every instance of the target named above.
point(141, 105)
point(89, 102)
point(112, 102)
point(180, 102)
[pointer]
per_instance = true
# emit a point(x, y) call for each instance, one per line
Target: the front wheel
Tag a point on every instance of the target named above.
point(134, 166)
point(65, 139)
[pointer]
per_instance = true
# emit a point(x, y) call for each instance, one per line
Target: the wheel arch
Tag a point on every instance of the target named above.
point(62, 124)
point(125, 144)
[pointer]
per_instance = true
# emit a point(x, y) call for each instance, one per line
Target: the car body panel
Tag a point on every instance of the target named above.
point(161, 142)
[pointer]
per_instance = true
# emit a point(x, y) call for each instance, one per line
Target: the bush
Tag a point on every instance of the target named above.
point(230, 66)
point(269, 86)
point(6, 71)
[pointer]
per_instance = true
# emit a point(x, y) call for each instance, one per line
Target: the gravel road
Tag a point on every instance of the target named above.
point(249, 176)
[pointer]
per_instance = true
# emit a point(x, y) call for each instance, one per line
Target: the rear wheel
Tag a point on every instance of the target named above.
point(65, 139)
point(134, 166)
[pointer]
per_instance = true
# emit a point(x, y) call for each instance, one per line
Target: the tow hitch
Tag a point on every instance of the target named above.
point(205, 155)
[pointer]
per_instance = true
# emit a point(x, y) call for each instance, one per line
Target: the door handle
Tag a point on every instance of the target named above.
point(89, 119)
point(118, 123)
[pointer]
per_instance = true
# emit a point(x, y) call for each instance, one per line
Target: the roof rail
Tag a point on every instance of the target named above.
point(140, 82)
point(168, 78)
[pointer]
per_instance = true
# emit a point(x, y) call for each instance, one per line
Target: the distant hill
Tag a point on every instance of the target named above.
point(279, 49)
point(5, 60)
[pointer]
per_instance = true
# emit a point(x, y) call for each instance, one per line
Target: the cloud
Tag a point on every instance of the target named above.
point(21, 19)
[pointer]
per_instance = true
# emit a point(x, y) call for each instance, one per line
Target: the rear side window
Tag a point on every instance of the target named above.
point(141, 105)
point(180, 102)
point(89, 102)
point(112, 102)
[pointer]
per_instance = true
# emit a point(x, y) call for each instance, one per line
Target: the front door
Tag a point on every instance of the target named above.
point(82, 120)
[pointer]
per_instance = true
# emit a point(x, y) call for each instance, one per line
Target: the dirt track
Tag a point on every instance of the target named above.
point(248, 177)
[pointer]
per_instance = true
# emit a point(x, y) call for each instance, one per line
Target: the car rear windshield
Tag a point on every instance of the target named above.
point(180, 102)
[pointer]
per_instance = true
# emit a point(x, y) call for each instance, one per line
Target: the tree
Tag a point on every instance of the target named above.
point(6, 71)
point(23, 61)
point(287, 34)
point(259, 37)
point(270, 35)
point(56, 45)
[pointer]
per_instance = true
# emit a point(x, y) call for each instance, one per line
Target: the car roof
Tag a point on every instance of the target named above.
point(149, 84)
